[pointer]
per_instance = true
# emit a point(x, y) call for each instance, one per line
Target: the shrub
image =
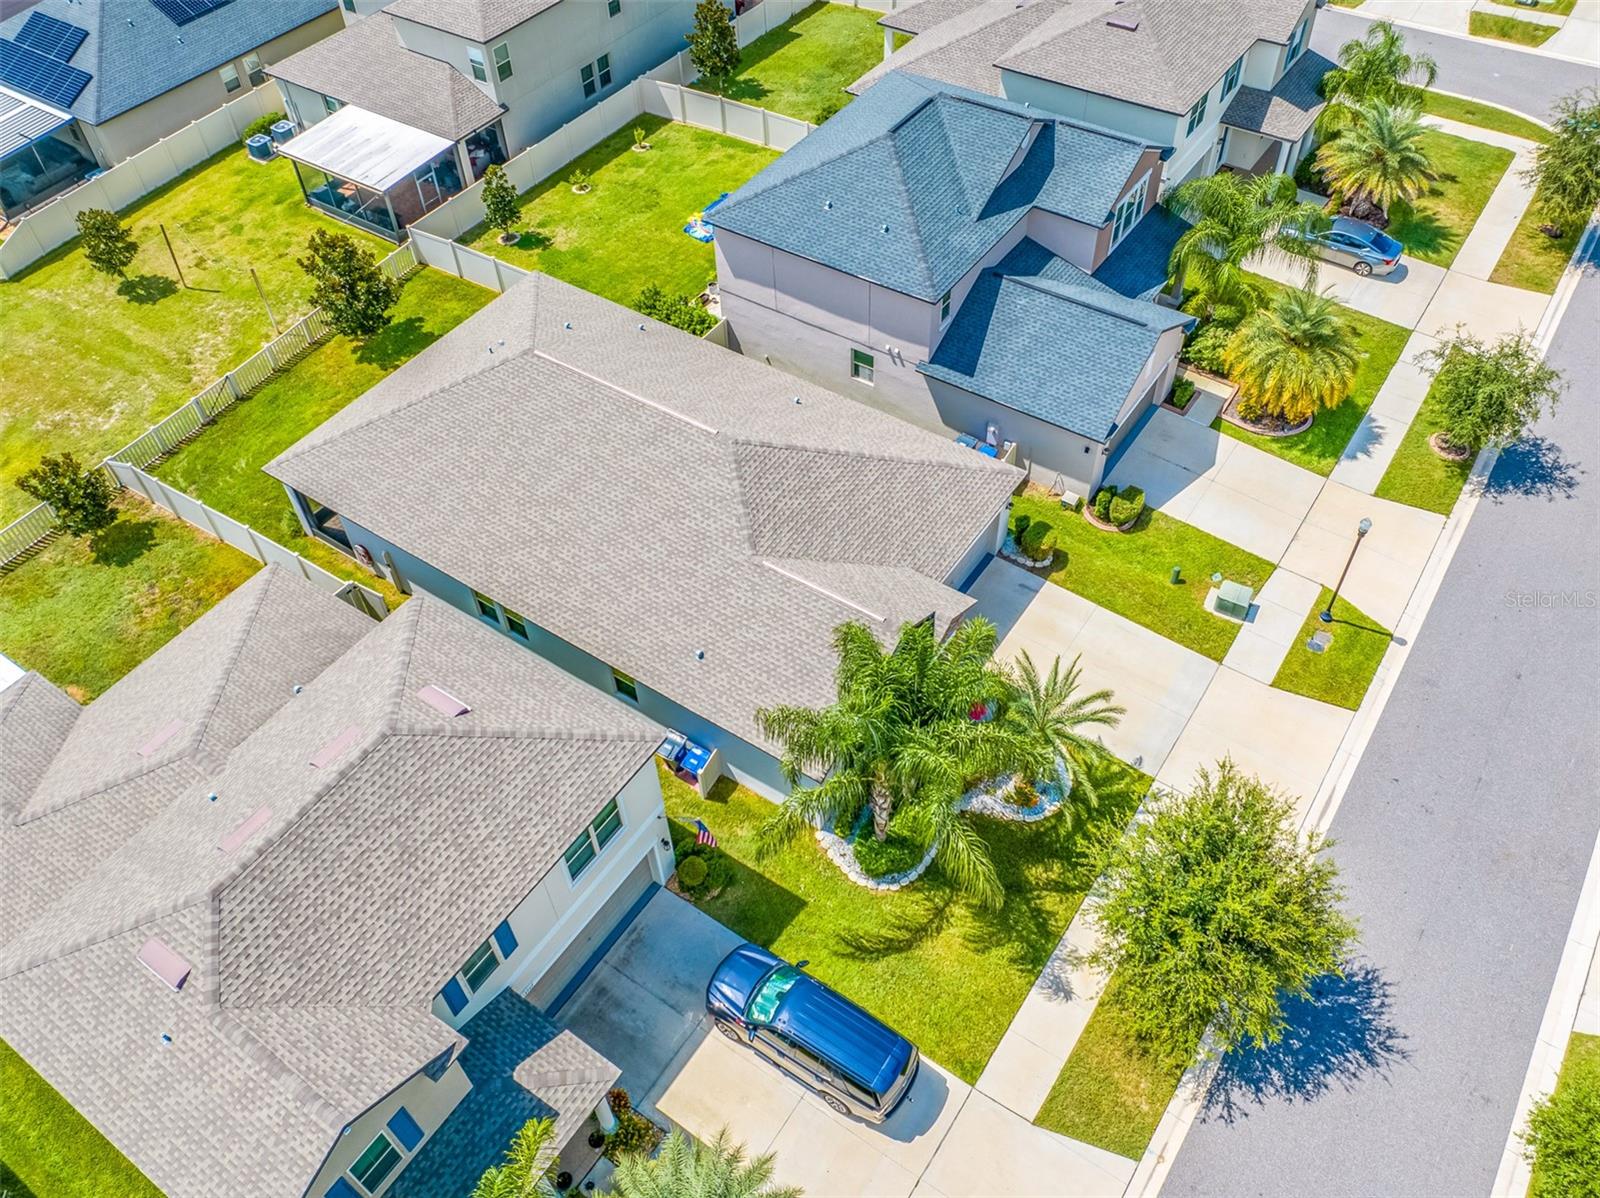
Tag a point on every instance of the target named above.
point(692, 873)
point(1205, 346)
point(350, 286)
point(635, 1135)
point(639, 143)
point(1182, 393)
point(619, 1101)
point(81, 498)
point(1566, 169)
point(1102, 502)
point(1020, 526)
point(580, 180)
point(1562, 1142)
point(1308, 175)
point(108, 246)
point(262, 124)
point(1490, 393)
point(1126, 505)
point(680, 311)
point(499, 197)
point(1038, 541)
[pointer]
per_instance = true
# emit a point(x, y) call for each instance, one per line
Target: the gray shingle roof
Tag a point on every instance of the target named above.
point(911, 185)
point(1288, 110)
point(479, 20)
point(924, 15)
point(1137, 268)
point(1040, 336)
point(962, 49)
point(134, 52)
point(644, 475)
point(365, 65)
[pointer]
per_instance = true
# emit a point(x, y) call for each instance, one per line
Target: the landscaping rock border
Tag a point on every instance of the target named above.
point(1106, 525)
point(1453, 453)
point(1232, 417)
point(1013, 553)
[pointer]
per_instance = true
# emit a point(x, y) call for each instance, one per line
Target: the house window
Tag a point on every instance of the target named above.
point(595, 75)
point(1230, 81)
point(517, 625)
point(603, 65)
point(592, 839)
point(625, 684)
point(349, 5)
point(613, 7)
point(1197, 113)
point(252, 69)
point(487, 957)
point(586, 73)
point(372, 1167)
point(1129, 211)
point(486, 607)
point(475, 61)
point(861, 366)
point(944, 308)
point(230, 78)
point(502, 62)
point(331, 104)
point(1297, 43)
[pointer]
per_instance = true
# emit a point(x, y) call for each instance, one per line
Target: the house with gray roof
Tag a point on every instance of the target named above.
point(414, 99)
point(87, 83)
point(1214, 82)
point(316, 953)
point(945, 255)
point(680, 526)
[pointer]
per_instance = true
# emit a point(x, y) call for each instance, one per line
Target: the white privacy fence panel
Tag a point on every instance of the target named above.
point(23, 533)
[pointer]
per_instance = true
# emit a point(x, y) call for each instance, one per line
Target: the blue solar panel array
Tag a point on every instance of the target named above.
point(50, 79)
point(181, 12)
point(50, 36)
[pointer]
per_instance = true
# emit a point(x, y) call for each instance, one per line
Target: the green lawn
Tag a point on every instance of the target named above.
point(945, 974)
point(1554, 8)
point(1420, 477)
point(1509, 29)
point(1112, 1091)
point(1318, 448)
point(1433, 226)
point(1341, 673)
point(48, 1150)
point(83, 611)
point(1580, 1067)
point(1532, 260)
point(1129, 573)
point(222, 466)
point(805, 64)
point(627, 231)
point(1485, 116)
point(90, 363)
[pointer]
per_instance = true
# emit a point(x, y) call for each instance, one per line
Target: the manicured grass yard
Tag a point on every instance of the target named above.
point(1128, 573)
point(48, 1150)
point(1485, 116)
point(945, 974)
point(1509, 29)
point(91, 362)
point(1554, 8)
point(1580, 1067)
point(1420, 477)
point(1532, 260)
point(83, 611)
point(804, 65)
point(1341, 673)
point(1433, 226)
point(222, 466)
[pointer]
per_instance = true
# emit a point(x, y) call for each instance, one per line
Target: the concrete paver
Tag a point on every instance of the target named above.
point(1276, 616)
point(1372, 448)
point(1400, 298)
point(1490, 310)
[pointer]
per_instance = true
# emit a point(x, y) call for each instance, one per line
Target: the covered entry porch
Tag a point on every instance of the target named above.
point(1266, 132)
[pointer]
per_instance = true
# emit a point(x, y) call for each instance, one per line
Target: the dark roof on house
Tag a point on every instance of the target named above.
point(477, 20)
point(672, 508)
point(1039, 335)
point(133, 51)
point(318, 896)
point(912, 184)
point(364, 64)
point(1137, 268)
point(1288, 110)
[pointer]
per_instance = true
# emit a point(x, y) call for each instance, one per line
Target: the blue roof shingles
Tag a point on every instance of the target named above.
point(908, 186)
point(1042, 337)
point(1138, 266)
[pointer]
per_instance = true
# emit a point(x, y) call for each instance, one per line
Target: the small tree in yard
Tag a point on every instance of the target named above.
point(350, 285)
point(107, 244)
point(1211, 910)
point(529, 1167)
point(1566, 169)
point(1490, 393)
point(713, 44)
point(500, 203)
point(80, 498)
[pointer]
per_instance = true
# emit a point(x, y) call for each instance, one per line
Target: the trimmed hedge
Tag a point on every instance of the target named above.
point(1102, 503)
point(681, 311)
point(1182, 393)
point(692, 872)
point(1126, 505)
point(1038, 540)
point(262, 124)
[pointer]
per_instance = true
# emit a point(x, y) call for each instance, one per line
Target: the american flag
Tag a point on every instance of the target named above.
point(702, 835)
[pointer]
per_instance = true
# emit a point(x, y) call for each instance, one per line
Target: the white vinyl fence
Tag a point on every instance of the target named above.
point(244, 538)
point(752, 23)
point(55, 223)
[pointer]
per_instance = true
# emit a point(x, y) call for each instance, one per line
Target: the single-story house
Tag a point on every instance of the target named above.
point(87, 83)
point(323, 878)
point(678, 525)
point(968, 263)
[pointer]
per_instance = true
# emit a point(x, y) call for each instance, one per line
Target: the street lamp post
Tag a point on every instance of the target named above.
point(1362, 529)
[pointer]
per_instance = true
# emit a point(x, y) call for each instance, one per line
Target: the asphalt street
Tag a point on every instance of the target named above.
point(1463, 841)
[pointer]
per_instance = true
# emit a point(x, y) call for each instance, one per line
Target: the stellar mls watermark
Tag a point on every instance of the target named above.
point(1558, 600)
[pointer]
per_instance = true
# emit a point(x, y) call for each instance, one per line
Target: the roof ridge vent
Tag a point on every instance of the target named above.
point(336, 748)
point(163, 961)
point(442, 701)
point(235, 840)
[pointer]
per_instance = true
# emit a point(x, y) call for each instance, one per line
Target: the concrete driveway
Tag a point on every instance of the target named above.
point(1400, 298)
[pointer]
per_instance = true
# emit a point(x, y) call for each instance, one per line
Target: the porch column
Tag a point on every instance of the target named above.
point(888, 41)
point(394, 222)
point(304, 195)
point(603, 1115)
point(299, 506)
point(464, 164)
point(1283, 156)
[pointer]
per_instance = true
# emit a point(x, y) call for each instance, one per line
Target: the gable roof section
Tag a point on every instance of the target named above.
point(1288, 110)
point(913, 183)
point(961, 50)
point(1137, 268)
point(1040, 336)
point(477, 20)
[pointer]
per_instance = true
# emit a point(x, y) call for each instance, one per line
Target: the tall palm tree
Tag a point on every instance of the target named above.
point(1376, 66)
point(1292, 357)
point(1380, 158)
point(1235, 219)
point(685, 1169)
point(530, 1165)
point(1050, 713)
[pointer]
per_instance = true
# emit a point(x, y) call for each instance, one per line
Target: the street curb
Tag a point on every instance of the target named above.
point(1494, 43)
point(1490, 104)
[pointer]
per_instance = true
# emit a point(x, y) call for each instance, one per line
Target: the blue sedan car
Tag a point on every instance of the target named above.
point(1365, 249)
point(856, 1065)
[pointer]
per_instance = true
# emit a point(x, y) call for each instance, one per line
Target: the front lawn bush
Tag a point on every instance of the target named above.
point(1126, 505)
point(1182, 393)
point(635, 1135)
point(680, 311)
point(262, 124)
point(1020, 526)
point(692, 872)
point(1038, 541)
point(1102, 503)
point(1205, 346)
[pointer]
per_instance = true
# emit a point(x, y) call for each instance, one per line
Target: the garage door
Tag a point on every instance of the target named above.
point(588, 941)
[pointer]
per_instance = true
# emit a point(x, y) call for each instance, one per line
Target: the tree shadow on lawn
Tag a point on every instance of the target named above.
point(1534, 467)
point(123, 543)
point(396, 343)
point(12, 1186)
point(752, 904)
point(1422, 233)
point(147, 289)
point(1339, 1035)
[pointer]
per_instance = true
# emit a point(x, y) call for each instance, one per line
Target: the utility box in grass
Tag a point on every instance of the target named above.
point(1233, 600)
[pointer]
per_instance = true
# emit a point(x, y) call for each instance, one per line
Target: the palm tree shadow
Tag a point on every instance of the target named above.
point(929, 914)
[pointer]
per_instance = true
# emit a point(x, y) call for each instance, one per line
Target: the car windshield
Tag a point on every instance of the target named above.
point(768, 997)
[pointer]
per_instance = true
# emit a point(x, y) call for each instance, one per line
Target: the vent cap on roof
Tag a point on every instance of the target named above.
point(1129, 23)
point(442, 701)
point(337, 747)
point(233, 841)
point(161, 960)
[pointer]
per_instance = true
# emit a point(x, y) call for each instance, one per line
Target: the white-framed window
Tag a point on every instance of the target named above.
point(944, 309)
point(487, 608)
point(516, 625)
point(475, 61)
point(372, 1167)
point(603, 65)
point(253, 71)
point(331, 104)
point(586, 76)
point(1230, 81)
point(230, 77)
point(862, 366)
point(595, 76)
point(1129, 211)
point(625, 685)
point(502, 62)
point(1197, 114)
point(593, 839)
point(1297, 43)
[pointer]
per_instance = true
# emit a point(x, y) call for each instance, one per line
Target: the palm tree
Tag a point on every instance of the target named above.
point(1292, 357)
point(1374, 67)
point(1379, 159)
point(1050, 713)
point(1235, 219)
point(530, 1165)
point(684, 1169)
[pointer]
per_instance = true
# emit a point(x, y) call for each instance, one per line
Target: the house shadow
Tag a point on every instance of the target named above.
point(1338, 1036)
point(147, 289)
point(123, 543)
point(1534, 467)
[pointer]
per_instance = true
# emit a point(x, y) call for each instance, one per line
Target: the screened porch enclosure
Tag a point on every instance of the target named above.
point(41, 153)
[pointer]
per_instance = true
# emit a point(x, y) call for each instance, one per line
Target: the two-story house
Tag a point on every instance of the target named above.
point(970, 264)
point(413, 100)
point(1215, 82)
point(287, 905)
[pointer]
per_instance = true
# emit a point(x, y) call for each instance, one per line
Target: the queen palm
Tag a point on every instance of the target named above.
point(1234, 219)
point(685, 1169)
point(529, 1168)
point(1050, 713)
point(1380, 159)
point(1292, 357)
point(1374, 67)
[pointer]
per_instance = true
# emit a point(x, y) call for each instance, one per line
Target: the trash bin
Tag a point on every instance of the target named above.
point(282, 131)
point(260, 147)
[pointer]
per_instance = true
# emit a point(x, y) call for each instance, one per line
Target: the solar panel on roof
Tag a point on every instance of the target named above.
point(181, 12)
point(50, 79)
point(50, 36)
